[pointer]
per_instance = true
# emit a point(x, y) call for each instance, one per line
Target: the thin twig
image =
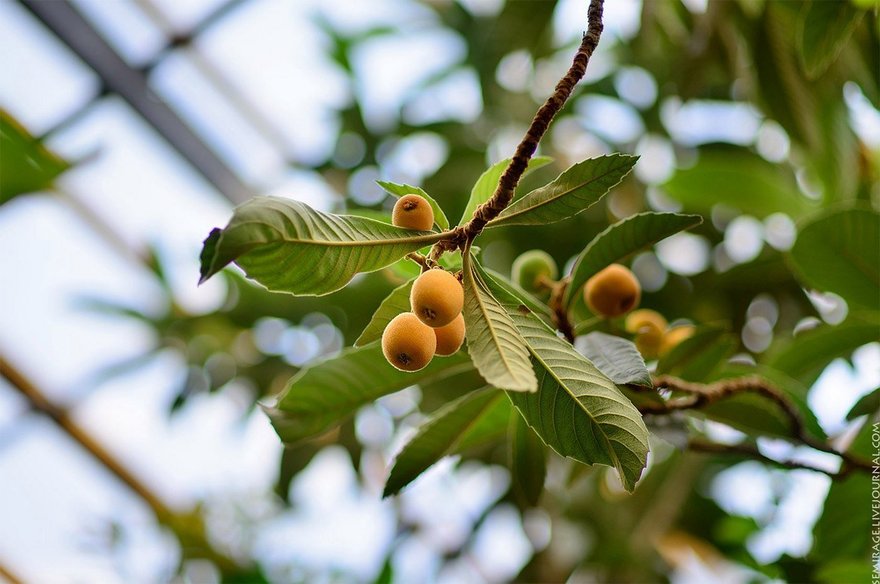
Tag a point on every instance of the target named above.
point(9, 576)
point(528, 145)
point(750, 451)
point(702, 395)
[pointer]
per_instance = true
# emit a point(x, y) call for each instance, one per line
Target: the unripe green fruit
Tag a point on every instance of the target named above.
point(613, 292)
point(407, 343)
point(648, 326)
point(672, 337)
point(450, 337)
point(529, 268)
point(413, 212)
point(437, 297)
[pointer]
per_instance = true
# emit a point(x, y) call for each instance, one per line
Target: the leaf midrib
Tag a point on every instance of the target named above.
point(355, 243)
point(469, 271)
point(439, 375)
point(553, 199)
point(613, 453)
point(615, 458)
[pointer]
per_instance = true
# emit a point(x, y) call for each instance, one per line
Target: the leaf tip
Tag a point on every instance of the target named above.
point(207, 257)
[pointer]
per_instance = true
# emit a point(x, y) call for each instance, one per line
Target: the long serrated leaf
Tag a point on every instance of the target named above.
point(823, 30)
point(399, 190)
point(322, 395)
point(617, 358)
point(289, 247)
point(575, 190)
point(840, 252)
point(395, 303)
point(623, 239)
point(577, 410)
point(488, 181)
point(495, 346)
point(472, 419)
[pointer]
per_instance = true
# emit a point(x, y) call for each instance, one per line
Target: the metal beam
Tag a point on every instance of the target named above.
point(69, 25)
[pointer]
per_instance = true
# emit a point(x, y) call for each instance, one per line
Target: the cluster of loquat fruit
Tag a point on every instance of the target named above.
point(435, 326)
point(610, 293)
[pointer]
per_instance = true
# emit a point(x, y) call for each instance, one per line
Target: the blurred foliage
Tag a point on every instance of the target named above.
point(28, 166)
point(791, 61)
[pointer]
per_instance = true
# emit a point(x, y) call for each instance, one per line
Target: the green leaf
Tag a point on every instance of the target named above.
point(750, 413)
point(495, 346)
point(623, 239)
point(844, 528)
point(616, 357)
point(488, 181)
point(740, 179)
point(395, 303)
point(322, 395)
point(696, 357)
point(399, 190)
point(577, 410)
point(289, 247)
point(26, 165)
point(823, 30)
point(806, 356)
point(786, 94)
point(472, 419)
point(536, 306)
point(575, 190)
point(867, 404)
point(845, 571)
point(528, 461)
point(839, 252)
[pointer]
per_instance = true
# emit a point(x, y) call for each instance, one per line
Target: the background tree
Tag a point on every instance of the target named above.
point(745, 114)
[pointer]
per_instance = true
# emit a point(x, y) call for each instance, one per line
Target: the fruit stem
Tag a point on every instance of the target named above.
point(420, 259)
point(557, 305)
point(543, 281)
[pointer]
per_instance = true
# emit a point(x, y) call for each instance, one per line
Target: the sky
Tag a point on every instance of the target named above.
point(55, 502)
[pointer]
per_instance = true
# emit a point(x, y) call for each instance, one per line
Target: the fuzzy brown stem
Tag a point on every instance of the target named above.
point(513, 173)
point(560, 314)
point(418, 258)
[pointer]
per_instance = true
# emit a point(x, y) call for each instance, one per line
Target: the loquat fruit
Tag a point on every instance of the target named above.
point(437, 297)
point(413, 212)
point(648, 326)
point(613, 291)
point(450, 337)
point(672, 337)
point(407, 343)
